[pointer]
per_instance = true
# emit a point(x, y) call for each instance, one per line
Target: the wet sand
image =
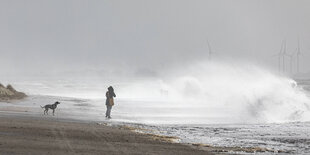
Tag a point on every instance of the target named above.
point(51, 135)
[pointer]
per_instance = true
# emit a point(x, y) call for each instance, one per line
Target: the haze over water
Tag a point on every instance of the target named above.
point(201, 93)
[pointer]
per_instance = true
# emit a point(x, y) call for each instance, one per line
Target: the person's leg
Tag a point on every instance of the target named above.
point(109, 111)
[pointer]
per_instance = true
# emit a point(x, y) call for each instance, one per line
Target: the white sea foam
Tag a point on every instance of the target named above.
point(224, 93)
point(201, 93)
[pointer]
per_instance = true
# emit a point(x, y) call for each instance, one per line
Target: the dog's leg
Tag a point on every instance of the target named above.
point(53, 112)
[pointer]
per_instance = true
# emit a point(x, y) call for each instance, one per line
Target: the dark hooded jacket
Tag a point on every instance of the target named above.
point(109, 94)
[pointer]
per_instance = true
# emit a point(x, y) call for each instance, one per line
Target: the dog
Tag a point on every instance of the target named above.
point(50, 106)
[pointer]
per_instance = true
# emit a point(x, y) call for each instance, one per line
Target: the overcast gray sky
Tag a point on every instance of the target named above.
point(36, 35)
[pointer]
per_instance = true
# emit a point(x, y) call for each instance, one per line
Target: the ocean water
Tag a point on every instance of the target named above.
point(214, 104)
point(204, 93)
point(290, 137)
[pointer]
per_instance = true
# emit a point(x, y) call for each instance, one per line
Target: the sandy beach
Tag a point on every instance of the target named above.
point(51, 135)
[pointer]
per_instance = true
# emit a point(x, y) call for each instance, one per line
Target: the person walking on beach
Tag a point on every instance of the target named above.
point(110, 101)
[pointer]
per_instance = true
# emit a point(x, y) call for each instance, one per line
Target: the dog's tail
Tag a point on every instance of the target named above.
point(42, 107)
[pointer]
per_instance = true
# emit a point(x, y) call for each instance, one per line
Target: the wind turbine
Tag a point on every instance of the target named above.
point(297, 56)
point(283, 56)
point(210, 50)
point(290, 56)
point(280, 55)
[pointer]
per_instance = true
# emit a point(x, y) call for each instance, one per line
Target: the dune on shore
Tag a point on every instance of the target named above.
point(9, 93)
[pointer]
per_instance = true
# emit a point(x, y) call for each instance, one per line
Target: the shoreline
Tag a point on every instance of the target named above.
point(16, 122)
point(36, 135)
point(29, 111)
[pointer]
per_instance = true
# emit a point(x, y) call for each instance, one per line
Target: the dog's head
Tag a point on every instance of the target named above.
point(57, 102)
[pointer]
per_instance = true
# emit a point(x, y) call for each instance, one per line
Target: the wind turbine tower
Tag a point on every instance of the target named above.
point(283, 56)
point(280, 56)
point(291, 56)
point(297, 56)
point(210, 50)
